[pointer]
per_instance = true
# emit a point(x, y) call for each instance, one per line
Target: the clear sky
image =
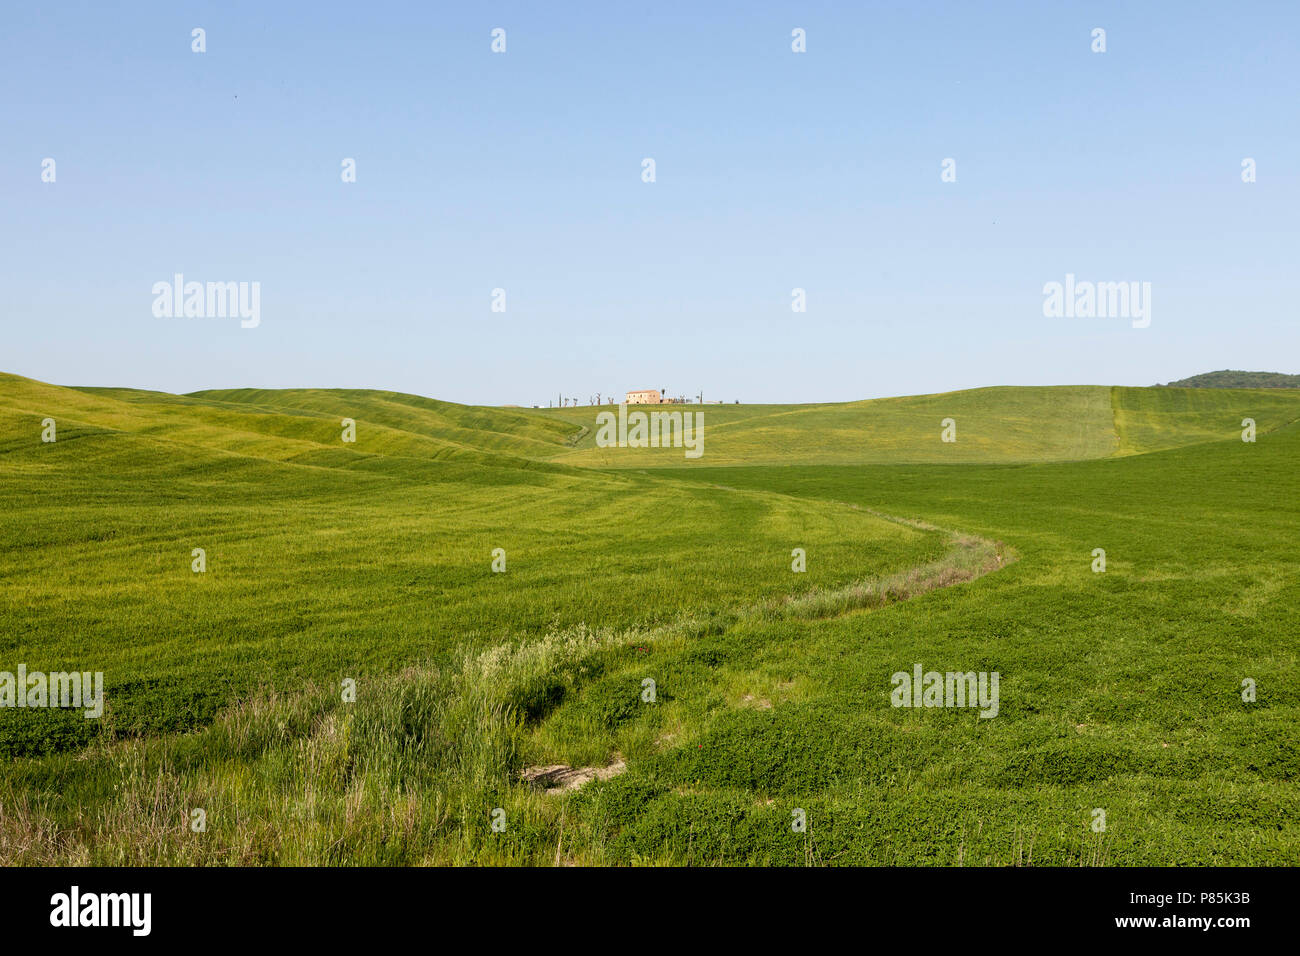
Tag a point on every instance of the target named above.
point(522, 170)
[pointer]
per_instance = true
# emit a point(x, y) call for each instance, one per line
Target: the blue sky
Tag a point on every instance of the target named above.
point(522, 171)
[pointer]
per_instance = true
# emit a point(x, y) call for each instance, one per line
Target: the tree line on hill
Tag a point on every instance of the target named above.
point(1229, 378)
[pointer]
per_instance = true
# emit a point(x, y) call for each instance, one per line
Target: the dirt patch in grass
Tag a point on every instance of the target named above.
point(561, 778)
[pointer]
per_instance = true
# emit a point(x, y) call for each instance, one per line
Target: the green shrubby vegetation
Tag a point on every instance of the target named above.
point(1235, 379)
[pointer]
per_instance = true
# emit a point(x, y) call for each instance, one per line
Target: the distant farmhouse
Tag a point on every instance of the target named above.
point(646, 396)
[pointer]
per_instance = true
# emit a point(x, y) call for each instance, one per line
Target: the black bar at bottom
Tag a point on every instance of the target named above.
point(336, 905)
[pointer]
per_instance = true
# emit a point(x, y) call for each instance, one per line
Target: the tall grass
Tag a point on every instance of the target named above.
point(408, 773)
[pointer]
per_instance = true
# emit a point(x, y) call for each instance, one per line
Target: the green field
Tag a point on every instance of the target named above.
point(372, 561)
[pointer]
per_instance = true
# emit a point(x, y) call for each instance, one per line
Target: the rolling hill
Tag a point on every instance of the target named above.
point(408, 434)
point(1009, 424)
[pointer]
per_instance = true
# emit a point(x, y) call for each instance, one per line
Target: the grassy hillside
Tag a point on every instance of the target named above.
point(328, 561)
point(1061, 423)
point(1121, 690)
point(1151, 419)
point(406, 434)
point(490, 429)
point(993, 424)
point(288, 433)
